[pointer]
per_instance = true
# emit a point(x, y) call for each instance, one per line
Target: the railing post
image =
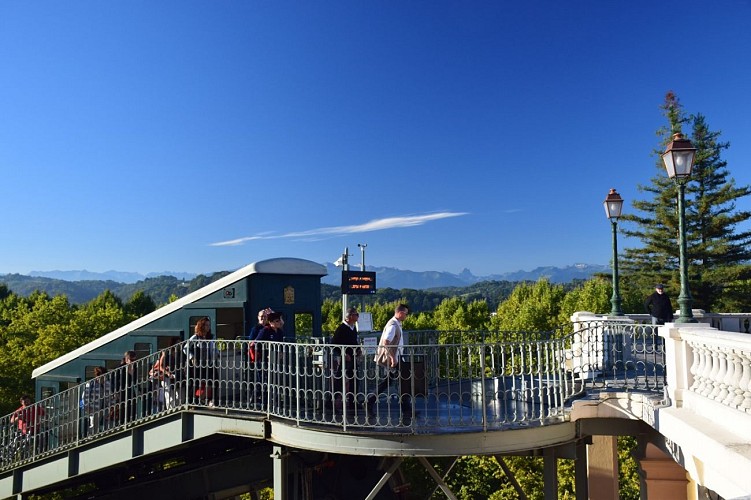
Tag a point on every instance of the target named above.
point(296, 389)
point(482, 388)
point(679, 358)
point(79, 413)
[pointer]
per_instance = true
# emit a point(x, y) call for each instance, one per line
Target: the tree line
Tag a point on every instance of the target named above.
point(161, 289)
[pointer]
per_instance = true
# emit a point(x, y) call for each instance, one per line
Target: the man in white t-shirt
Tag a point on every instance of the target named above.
point(392, 336)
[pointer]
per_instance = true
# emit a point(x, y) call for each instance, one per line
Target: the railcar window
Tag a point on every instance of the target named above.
point(47, 392)
point(229, 323)
point(303, 326)
point(64, 386)
point(89, 374)
point(165, 342)
point(111, 364)
point(142, 349)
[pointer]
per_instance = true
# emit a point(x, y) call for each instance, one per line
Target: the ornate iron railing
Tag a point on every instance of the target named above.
point(506, 382)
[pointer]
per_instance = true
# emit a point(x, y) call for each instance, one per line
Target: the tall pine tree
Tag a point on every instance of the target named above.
point(718, 253)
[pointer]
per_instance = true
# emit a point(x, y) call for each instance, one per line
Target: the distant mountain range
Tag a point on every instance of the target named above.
point(420, 280)
point(82, 286)
point(117, 276)
point(386, 277)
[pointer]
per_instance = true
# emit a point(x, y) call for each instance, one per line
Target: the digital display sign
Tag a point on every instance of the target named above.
point(358, 282)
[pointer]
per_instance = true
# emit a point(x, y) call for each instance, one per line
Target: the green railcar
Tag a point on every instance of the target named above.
point(287, 285)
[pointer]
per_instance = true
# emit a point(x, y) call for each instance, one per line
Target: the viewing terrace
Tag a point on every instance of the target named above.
point(683, 390)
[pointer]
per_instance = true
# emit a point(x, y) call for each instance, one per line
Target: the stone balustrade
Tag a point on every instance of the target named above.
point(709, 364)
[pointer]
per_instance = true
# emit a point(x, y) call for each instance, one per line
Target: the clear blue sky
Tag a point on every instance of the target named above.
point(202, 136)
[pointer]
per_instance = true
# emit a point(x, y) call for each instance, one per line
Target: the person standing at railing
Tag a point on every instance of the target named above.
point(163, 376)
point(263, 322)
point(95, 403)
point(126, 384)
point(344, 362)
point(658, 306)
point(27, 420)
point(270, 358)
point(200, 354)
point(388, 355)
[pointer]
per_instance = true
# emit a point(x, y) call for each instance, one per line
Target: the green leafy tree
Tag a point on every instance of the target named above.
point(139, 305)
point(593, 296)
point(104, 314)
point(530, 308)
point(40, 328)
point(424, 321)
point(28, 320)
point(456, 314)
point(460, 321)
point(331, 315)
point(4, 291)
point(717, 253)
point(629, 482)
point(303, 326)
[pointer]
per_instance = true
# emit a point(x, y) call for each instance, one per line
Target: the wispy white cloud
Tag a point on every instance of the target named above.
point(373, 225)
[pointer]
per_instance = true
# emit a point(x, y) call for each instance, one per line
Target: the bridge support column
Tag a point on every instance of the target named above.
point(550, 473)
point(280, 458)
point(662, 476)
point(580, 471)
point(602, 468)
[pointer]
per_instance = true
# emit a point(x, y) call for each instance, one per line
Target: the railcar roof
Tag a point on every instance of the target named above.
point(282, 265)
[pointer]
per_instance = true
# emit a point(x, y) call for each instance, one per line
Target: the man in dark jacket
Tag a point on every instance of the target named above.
point(658, 306)
point(270, 362)
point(263, 322)
point(343, 382)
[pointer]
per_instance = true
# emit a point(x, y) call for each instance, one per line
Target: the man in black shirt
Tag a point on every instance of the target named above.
point(658, 306)
point(345, 334)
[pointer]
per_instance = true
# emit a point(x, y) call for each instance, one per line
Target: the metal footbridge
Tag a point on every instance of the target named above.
point(303, 419)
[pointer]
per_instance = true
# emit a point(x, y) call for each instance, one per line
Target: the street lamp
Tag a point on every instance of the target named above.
point(613, 207)
point(678, 159)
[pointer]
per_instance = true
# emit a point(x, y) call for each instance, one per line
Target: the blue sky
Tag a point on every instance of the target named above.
point(202, 136)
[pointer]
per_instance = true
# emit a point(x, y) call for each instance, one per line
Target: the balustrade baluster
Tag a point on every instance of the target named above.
point(720, 388)
point(732, 378)
point(713, 367)
point(697, 366)
point(745, 382)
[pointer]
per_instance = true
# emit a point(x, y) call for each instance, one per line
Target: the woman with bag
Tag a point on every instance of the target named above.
point(163, 380)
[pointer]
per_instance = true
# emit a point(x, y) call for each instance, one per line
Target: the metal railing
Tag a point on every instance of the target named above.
point(617, 354)
point(439, 387)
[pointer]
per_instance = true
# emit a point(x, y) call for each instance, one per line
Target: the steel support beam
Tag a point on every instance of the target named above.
point(511, 477)
point(384, 479)
point(550, 473)
point(448, 471)
point(437, 478)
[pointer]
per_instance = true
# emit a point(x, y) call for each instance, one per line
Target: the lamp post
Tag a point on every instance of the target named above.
point(613, 207)
point(362, 268)
point(344, 262)
point(679, 159)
